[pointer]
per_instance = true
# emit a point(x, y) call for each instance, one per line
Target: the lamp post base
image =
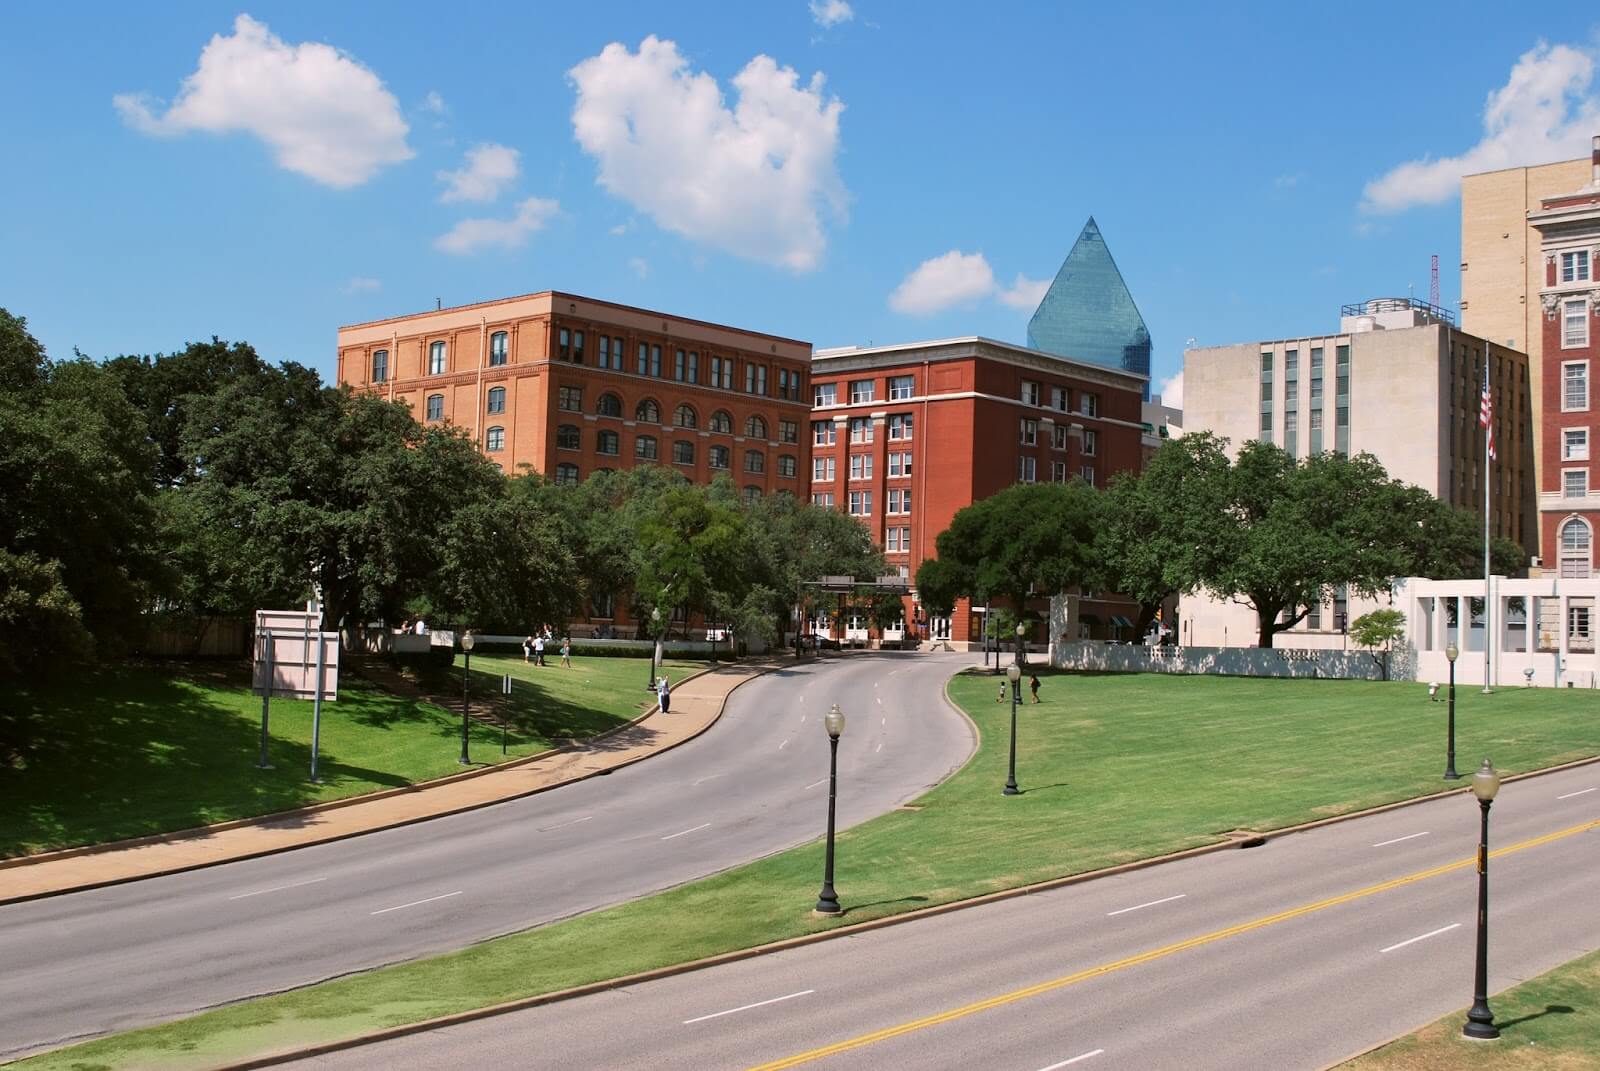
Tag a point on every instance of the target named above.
point(1451, 775)
point(827, 903)
point(1011, 790)
point(1480, 1026)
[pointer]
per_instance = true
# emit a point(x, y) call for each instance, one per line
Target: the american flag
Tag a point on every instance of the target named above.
point(1486, 417)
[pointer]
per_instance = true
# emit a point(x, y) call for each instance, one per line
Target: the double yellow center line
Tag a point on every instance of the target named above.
point(1153, 954)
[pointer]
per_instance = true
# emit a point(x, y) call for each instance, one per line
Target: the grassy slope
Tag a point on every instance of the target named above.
point(1549, 1023)
point(1113, 768)
point(123, 751)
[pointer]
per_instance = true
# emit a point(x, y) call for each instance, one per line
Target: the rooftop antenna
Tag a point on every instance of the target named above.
point(438, 304)
point(1433, 284)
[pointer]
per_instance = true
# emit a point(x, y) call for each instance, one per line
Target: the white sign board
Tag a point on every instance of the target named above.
point(285, 651)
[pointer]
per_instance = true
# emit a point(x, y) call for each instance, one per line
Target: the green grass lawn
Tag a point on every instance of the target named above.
point(1113, 768)
point(127, 750)
point(1550, 1023)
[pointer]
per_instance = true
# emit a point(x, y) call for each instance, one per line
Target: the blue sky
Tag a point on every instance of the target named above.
point(270, 177)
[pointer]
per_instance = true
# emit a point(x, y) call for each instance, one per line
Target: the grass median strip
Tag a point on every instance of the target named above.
point(142, 748)
point(1113, 768)
point(1549, 1022)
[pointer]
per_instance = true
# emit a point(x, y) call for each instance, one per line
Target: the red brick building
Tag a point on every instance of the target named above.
point(904, 436)
point(566, 386)
point(1569, 495)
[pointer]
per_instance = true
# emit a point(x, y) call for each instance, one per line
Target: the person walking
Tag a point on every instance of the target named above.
point(664, 694)
point(1001, 698)
point(566, 652)
point(1033, 685)
point(538, 650)
point(527, 648)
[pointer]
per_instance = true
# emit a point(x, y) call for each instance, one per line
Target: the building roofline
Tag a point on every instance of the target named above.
point(675, 317)
point(1354, 334)
point(841, 352)
point(1523, 167)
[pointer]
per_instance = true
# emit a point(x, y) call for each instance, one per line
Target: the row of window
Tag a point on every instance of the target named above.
point(570, 399)
point(901, 388)
point(646, 447)
point(825, 470)
point(826, 432)
point(1028, 471)
point(1030, 437)
point(1061, 399)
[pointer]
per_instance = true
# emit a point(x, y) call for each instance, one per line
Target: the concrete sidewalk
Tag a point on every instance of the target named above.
point(696, 705)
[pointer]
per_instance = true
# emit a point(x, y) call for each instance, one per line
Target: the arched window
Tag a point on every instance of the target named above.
point(608, 442)
point(683, 452)
point(601, 604)
point(1576, 549)
point(435, 407)
point(684, 417)
point(609, 405)
point(380, 365)
point(717, 457)
point(566, 472)
point(497, 399)
point(568, 437)
point(721, 421)
point(647, 412)
point(786, 465)
point(495, 438)
point(436, 359)
point(755, 428)
point(497, 348)
point(644, 448)
point(755, 461)
point(751, 493)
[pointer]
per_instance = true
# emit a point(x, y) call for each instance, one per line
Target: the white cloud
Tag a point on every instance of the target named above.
point(623, 228)
point(325, 115)
point(1544, 112)
point(1171, 390)
point(829, 13)
point(753, 180)
point(490, 169)
point(955, 278)
point(471, 235)
point(362, 284)
point(640, 266)
point(1024, 293)
point(433, 103)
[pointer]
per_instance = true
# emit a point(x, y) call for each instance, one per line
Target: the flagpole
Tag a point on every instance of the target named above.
point(1488, 440)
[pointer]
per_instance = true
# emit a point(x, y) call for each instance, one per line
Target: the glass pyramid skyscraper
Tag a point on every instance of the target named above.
point(1088, 314)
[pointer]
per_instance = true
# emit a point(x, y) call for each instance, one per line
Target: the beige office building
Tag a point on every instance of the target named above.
point(1502, 268)
point(1399, 381)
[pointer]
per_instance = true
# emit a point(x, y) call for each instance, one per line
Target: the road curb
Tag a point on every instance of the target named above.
point(673, 970)
point(282, 816)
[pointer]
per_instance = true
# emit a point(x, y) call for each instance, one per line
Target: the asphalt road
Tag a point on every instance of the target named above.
point(1289, 956)
point(130, 955)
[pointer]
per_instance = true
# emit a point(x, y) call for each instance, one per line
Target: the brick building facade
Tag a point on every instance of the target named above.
point(1569, 303)
point(904, 436)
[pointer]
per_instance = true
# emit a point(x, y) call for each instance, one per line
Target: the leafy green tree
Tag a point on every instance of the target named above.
point(1379, 629)
point(689, 553)
point(792, 542)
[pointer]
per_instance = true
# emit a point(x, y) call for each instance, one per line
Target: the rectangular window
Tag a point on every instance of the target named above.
point(1266, 426)
point(822, 394)
point(644, 359)
point(564, 343)
point(755, 379)
point(1058, 472)
point(900, 427)
point(861, 429)
point(680, 365)
point(1030, 392)
point(497, 348)
point(1091, 443)
point(824, 433)
point(694, 367)
point(861, 466)
point(1575, 266)
point(577, 347)
point(1577, 622)
point(1341, 430)
point(1291, 365)
point(570, 399)
point(604, 346)
point(1058, 437)
point(891, 541)
point(1575, 483)
point(1574, 324)
point(1313, 618)
point(823, 499)
point(1575, 444)
point(861, 390)
point(1266, 365)
point(1029, 430)
point(1575, 386)
point(1291, 432)
point(901, 387)
point(436, 359)
point(495, 439)
point(899, 500)
point(1026, 469)
point(900, 464)
point(786, 466)
point(861, 503)
point(1316, 430)
point(1059, 399)
point(380, 366)
point(788, 431)
point(1087, 472)
point(822, 469)
point(1089, 404)
point(655, 361)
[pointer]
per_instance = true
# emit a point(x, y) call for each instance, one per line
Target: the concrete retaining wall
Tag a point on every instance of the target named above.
point(1233, 661)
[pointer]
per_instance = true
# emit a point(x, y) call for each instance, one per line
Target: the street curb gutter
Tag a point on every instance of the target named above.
point(282, 816)
point(591, 988)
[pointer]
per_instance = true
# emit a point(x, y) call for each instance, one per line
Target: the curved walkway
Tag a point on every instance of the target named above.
point(696, 705)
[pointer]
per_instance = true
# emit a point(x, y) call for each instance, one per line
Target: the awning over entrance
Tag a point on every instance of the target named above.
point(1120, 622)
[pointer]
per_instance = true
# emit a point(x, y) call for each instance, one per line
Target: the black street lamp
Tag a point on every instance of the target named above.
point(1480, 1020)
point(467, 643)
point(833, 721)
point(1014, 674)
point(655, 629)
point(1450, 654)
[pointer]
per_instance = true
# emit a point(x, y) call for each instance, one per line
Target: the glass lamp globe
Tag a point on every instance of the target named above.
point(833, 721)
point(1486, 782)
point(468, 641)
point(1014, 672)
point(1451, 652)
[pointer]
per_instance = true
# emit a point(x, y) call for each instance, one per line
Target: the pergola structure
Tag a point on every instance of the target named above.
point(845, 587)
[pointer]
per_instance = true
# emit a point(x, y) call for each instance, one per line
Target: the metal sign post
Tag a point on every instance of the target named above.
point(295, 659)
point(505, 690)
point(266, 696)
point(316, 701)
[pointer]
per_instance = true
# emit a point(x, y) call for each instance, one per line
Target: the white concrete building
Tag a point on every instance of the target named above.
point(1544, 630)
